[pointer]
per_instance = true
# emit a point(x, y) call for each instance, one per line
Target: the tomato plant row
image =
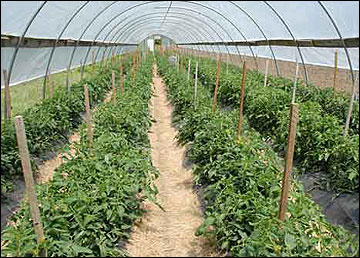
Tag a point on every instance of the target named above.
point(50, 122)
point(241, 183)
point(320, 144)
point(92, 201)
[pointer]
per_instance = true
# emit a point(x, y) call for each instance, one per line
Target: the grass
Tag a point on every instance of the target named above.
point(27, 94)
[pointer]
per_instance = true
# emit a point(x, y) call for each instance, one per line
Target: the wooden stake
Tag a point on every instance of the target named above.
point(181, 60)
point(121, 78)
point(82, 70)
point(241, 108)
point(347, 124)
point(51, 87)
point(92, 57)
point(134, 74)
point(92, 62)
point(112, 57)
point(178, 62)
point(7, 96)
point(289, 160)
point(137, 58)
point(196, 81)
point(295, 81)
point(133, 65)
point(4, 108)
point(335, 70)
point(188, 73)
point(88, 117)
point(113, 96)
point(29, 180)
point(227, 63)
point(266, 72)
point(217, 84)
point(103, 57)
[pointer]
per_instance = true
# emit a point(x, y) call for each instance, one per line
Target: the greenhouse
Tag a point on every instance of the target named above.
point(180, 128)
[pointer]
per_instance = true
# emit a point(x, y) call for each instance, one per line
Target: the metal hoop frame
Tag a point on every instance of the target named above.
point(117, 33)
point(40, 8)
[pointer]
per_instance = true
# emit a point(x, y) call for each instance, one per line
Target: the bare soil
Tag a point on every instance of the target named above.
point(169, 233)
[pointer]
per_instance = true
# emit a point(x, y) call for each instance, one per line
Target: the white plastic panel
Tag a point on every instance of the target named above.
point(299, 15)
point(187, 21)
point(32, 61)
point(16, 14)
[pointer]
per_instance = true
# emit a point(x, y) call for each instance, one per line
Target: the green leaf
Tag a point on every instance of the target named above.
point(225, 245)
point(209, 221)
point(80, 249)
point(290, 241)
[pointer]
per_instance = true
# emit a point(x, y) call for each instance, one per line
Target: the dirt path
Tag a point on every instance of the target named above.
point(170, 233)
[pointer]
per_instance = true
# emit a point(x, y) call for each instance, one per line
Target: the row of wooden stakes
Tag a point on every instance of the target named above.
point(25, 157)
point(292, 128)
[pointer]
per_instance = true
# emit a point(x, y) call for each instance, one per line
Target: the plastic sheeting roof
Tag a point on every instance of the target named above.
point(182, 21)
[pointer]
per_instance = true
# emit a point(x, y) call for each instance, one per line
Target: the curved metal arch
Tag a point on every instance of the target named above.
point(143, 18)
point(341, 38)
point(213, 20)
point(133, 23)
point(188, 27)
point(132, 7)
point(130, 31)
point(57, 40)
point(162, 35)
point(120, 48)
point(82, 34)
point(22, 38)
point(192, 32)
point(182, 23)
point(166, 32)
point(241, 33)
point(291, 34)
point(14, 56)
point(88, 51)
point(151, 32)
point(171, 34)
point(262, 32)
point(195, 18)
point(166, 14)
point(236, 47)
point(106, 24)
